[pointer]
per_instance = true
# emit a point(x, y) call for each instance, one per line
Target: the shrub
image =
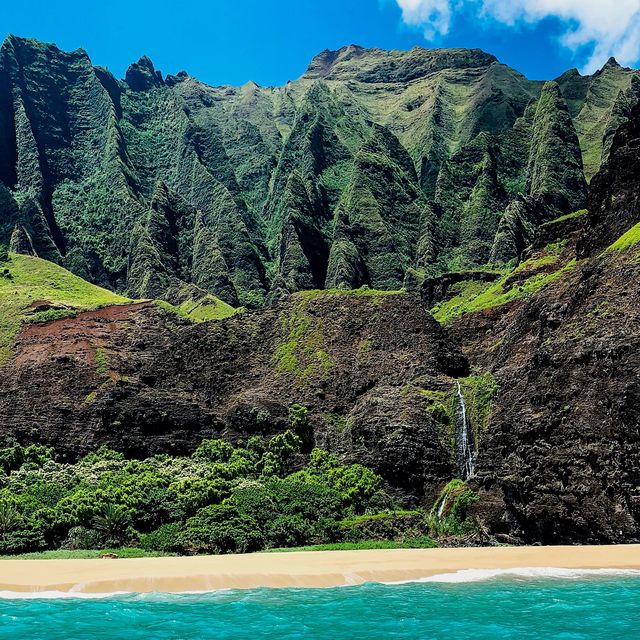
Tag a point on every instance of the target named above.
point(164, 538)
point(214, 451)
point(284, 445)
point(114, 525)
point(449, 514)
point(356, 484)
point(191, 494)
point(82, 538)
point(220, 529)
point(299, 423)
point(12, 458)
point(390, 525)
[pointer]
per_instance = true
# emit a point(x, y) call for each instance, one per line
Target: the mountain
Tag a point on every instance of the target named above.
point(435, 256)
point(167, 187)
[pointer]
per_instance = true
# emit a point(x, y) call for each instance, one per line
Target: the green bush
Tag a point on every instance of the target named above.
point(220, 529)
point(191, 494)
point(399, 526)
point(164, 538)
point(82, 538)
point(214, 451)
point(221, 499)
point(12, 458)
point(449, 515)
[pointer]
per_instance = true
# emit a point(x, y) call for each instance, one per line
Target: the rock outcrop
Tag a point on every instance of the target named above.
point(361, 363)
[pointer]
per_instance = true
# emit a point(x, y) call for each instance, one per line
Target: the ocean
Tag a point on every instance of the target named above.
point(474, 605)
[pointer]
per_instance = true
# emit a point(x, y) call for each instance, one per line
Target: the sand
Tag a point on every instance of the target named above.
point(294, 569)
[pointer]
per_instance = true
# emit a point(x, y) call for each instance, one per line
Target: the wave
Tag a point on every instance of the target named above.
point(461, 576)
point(481, 575)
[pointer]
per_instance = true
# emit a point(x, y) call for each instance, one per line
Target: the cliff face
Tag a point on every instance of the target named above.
point(372, 167)
point(142, 380)
point(562, 454)
point(431, 171)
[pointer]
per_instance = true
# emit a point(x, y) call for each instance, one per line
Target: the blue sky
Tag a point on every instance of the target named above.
point(272, 41)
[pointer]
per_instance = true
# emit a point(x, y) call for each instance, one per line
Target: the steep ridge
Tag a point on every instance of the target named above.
point(260, 188)
point(592, 104)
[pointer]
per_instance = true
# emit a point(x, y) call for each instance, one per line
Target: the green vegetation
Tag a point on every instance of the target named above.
point(253, 193)
point(102, 365)
point(302, 353)
point(592, 102)
point(424, 542)
point(568, 216)
point(477, 296)
point(30, 280)
point(449, 515)
point(202, 310)
point(441, 405)
point(86, 554)
point(220, 499)
point(479, 391)
point(208, 308)
point(361, 291)
point(627, 241)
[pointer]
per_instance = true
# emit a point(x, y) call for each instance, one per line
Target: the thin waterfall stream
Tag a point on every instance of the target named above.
point(464, 439)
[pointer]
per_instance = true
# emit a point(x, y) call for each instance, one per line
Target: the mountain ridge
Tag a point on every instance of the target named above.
point(505, 311)
point(83, 174)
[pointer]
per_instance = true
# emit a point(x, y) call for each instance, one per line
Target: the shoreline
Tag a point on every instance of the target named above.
point(311, 569)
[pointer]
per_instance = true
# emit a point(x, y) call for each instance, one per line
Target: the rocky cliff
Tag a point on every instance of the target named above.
point(421, 261)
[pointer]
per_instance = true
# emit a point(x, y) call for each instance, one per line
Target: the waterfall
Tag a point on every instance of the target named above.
point(464, 439)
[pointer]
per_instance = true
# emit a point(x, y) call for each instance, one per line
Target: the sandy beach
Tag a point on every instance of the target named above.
point(294, 569)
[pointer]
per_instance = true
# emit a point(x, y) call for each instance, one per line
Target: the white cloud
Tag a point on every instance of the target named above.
point(605, 27)
point(434, 16)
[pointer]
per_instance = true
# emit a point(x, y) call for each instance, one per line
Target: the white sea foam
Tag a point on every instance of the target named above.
point(462, 576)
point(480, 575)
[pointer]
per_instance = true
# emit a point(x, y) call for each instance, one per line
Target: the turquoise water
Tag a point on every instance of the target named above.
point(493, 609)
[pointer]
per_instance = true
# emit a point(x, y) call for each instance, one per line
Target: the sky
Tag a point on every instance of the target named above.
point(272, 41)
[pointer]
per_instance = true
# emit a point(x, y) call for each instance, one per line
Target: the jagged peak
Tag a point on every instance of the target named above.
point(569, 73)
point(172, 80)
point(143, 75)
point(551, 87)
point(17, 43)
point(323, 63)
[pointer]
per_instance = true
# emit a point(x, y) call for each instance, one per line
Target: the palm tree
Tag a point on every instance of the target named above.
point(113, 524)
point(10, 518)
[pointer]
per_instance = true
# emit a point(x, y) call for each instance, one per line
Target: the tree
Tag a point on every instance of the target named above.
point(10, 518)
point(114, 525)
point(214, 451)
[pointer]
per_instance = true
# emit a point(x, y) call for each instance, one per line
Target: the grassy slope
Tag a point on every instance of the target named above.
point(29, 279)
point(477, 296)
point(25, 279)
point(203, 310)
point(594, 116)
point(627, 240)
